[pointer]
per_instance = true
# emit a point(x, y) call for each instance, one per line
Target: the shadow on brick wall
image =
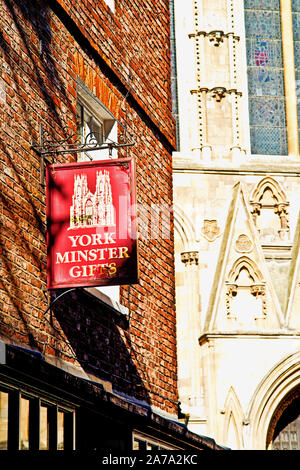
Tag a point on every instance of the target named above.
point(28, 50)
point(98, 338)
point(78, 329)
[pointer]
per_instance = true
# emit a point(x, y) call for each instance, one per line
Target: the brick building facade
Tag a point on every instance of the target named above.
point(89, 369)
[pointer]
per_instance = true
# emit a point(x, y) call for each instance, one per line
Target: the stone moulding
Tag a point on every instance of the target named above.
point(279, 204)
point(256, 285)
point(190, 257)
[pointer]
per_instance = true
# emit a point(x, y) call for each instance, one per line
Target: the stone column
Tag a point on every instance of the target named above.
point(192, 330)
point(235, 117)
point(202, 110)
point(232, 62)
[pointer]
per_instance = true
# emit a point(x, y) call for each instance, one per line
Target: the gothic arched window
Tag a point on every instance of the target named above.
point(245, 291)
point(269, 210)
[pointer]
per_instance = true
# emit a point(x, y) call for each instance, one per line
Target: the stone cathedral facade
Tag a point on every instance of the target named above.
point(236, 67)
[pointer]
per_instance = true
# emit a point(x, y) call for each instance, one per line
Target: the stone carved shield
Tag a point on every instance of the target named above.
point(211, 229)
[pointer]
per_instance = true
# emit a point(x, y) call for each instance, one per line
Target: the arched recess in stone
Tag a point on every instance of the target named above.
point(284, 428)
point(233, 421)
point(270, 210)
point(271, 398)
point(185, 236)
point(184, 227)
point(244, 262)
point(245, 281)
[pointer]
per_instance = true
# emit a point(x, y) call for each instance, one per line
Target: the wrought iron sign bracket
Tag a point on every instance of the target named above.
point(57, 298)
point(49, 148)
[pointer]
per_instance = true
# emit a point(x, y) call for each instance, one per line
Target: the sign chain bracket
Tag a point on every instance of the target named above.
point(72, 143)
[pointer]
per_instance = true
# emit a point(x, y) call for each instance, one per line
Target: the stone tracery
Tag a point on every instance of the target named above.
point(245, 277)
point(269, 195)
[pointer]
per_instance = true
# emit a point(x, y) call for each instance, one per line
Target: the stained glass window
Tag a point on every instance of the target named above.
point(262, 4)
point(296, 5)
point(296, 35)
point(265, 77)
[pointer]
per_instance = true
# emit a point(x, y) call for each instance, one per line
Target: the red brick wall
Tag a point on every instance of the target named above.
point(135, 41)
point(42, 52)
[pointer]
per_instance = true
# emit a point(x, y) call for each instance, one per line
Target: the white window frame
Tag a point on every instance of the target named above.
point(90, 108)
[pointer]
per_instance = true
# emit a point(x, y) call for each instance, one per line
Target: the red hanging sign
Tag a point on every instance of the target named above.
point(91, 216)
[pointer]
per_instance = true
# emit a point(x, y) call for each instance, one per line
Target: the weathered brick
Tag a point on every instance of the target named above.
point(44, 48)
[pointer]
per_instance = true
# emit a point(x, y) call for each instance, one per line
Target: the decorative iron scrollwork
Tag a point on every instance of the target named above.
point(75, 143)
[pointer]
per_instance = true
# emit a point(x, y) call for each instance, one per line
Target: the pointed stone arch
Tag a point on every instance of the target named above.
point(269, 195)
point(244, 262)
point(186, 234)
point(277, 384)
point(284, 428)
point(184, 227)
point(233, 422)
point(245, 274)
point(268, 183)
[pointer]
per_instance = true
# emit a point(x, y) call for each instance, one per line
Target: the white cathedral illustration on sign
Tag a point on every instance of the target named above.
point(88, 209)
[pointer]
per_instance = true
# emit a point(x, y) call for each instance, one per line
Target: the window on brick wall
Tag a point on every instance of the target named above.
point(44, 437)
point(29, 422)
point(143, 442)
point(98, 126)
point(95, 125)
point(3, 419)
point(24, 423)
point(91, 129)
